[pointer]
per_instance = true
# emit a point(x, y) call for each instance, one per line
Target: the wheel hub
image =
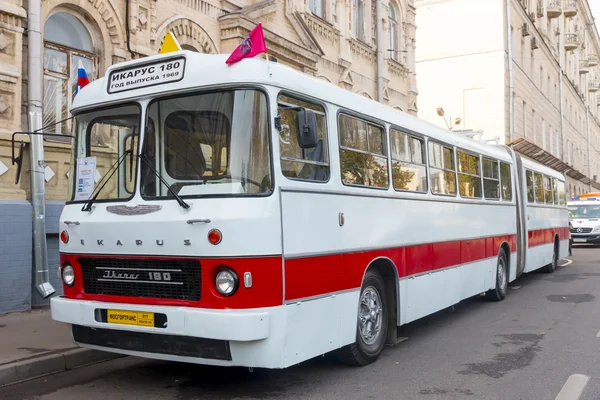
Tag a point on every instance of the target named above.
point(370, 315)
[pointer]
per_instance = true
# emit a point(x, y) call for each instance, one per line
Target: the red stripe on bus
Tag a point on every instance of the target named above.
point(266, 290)
point(319, 275)
point(314, 276)
point(540, 237)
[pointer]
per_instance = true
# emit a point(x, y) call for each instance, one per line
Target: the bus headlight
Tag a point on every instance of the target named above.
point(68, 275)
point(597, 229)
point(226, 282)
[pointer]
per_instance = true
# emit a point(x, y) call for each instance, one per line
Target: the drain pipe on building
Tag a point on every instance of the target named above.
point(379, 28)
point(565, 156)
point(511, 101)
point(41, 278)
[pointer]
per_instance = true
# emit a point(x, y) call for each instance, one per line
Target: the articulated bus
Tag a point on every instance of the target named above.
point(251, 215)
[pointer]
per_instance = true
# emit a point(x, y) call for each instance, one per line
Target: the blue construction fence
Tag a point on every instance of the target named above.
point(16, 257)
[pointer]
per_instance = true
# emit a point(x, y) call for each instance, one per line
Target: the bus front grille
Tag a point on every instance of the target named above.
point(139, 277)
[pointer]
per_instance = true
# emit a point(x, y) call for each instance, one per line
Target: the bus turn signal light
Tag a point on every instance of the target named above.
point(64, 237)
point(214, 236)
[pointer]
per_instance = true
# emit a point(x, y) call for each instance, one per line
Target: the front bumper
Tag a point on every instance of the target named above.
point(228, 325)
point(591, 238)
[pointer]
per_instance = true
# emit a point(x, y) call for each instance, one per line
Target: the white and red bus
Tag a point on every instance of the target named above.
point(251, 215)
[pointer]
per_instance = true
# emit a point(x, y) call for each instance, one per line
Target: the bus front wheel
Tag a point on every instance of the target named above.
point(372, 323)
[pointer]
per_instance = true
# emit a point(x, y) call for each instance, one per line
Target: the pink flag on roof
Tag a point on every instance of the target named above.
point(253, 44)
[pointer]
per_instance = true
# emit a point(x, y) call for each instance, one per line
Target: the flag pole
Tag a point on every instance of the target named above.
point(268, 62)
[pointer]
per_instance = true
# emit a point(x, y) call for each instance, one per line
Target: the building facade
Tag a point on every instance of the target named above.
point(331, 39)
point(335, 40)
point(524, 72)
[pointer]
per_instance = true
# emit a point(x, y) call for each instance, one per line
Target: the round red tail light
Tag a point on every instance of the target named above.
point(64, 237)
point(214, 236)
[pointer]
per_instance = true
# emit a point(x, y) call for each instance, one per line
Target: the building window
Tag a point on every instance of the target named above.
point(296, 162)
point(67, 43)
point(408, 162)
point(394, 33)
point(317, 7)
point(363, 155)
point(358, 19)
point(524, 120)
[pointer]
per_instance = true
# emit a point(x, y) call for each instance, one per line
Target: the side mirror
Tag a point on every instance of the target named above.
point(306, 129)
point(19, 161)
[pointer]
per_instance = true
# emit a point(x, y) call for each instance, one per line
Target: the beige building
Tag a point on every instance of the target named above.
point(538, 90)
point(331, 39)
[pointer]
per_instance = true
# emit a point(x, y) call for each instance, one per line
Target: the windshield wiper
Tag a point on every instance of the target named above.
point(88, 204)
point(164, 182)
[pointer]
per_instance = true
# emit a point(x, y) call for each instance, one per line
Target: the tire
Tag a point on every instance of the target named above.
point(370, 339)
point(501, 289)
point(550, 268)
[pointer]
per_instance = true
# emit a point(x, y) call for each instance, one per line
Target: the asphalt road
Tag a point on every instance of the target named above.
point(542, 342)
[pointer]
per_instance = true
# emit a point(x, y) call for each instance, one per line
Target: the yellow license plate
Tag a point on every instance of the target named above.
point(130, 318)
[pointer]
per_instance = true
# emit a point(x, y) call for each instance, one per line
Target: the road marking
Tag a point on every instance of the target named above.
point(573, 388)
point(568, 262)
point(598, 334)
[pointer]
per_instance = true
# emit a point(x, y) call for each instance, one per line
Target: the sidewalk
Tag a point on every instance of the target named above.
point(32, 345)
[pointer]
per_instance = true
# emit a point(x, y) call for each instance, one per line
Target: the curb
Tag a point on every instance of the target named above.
point(36, 367)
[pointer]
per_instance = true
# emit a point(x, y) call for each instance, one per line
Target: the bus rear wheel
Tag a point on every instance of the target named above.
point(554, 264)
point(499, 292)
point(372, 324)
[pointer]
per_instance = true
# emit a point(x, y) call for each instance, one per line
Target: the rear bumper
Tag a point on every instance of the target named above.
point(233, 325)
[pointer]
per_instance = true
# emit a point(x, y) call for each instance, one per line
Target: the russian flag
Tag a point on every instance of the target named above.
point(82, 78)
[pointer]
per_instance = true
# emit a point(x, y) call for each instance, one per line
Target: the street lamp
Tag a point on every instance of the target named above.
point(441, 113)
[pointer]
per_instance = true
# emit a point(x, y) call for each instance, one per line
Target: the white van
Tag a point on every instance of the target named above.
point(584, 216)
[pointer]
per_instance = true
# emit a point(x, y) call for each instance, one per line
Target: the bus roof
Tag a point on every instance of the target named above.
point(534, 166)
point(209, 70)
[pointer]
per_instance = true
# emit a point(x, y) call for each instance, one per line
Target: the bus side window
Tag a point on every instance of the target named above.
point(555, 190)
point(539, 188)
point(506, 181)
point(408, 162)
point(363, 155)
point(298, 163)
point(491, 180)
point(442, 169)
point(562, 200)
point(548, 189)
point(530, 187)
point(469, 175)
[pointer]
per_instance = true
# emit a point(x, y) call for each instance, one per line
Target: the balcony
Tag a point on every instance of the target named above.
point(593, 60)
point(593, 85)
point(584, 66)
point(571, 41)
point(570, 8)
point(554, 9)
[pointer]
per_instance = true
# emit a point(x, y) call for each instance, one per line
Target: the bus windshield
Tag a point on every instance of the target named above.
point(210, 144)
point(585, 211)
point(105, 153)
